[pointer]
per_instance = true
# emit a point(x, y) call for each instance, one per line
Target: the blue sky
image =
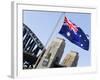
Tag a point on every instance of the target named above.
point(45, 24)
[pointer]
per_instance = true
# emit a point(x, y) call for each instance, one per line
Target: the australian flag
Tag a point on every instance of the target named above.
point(74, 34)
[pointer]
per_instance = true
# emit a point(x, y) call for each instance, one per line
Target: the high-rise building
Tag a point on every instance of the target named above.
point(71, 59)
point(52, 54)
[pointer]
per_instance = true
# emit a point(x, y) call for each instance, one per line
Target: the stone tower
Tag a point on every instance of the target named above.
point(71, 59)
point(53, 53)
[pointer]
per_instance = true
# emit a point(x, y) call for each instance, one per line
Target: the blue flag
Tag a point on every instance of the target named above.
point(74, 34)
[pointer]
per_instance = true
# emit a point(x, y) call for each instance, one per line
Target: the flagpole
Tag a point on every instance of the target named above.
point(40, 56)
point(55, 28)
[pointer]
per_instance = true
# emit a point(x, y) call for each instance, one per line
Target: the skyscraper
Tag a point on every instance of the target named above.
point(71, 59)
point(53, 53)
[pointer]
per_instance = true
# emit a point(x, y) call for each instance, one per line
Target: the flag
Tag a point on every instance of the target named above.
point(74, 34)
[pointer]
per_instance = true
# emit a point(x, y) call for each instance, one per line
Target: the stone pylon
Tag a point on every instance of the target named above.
point(71, 59)
point(52, 54)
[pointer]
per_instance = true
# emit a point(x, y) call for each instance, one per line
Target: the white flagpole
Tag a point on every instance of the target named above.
point(50, 38)
point(53, 31)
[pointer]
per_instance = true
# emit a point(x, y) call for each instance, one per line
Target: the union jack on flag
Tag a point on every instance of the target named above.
point(70, 24)
point(74, 34)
